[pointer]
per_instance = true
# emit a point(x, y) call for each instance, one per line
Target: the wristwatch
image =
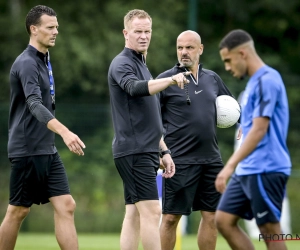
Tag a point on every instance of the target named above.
point(162, 153)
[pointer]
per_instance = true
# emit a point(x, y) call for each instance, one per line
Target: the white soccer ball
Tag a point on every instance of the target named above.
point(228, 111)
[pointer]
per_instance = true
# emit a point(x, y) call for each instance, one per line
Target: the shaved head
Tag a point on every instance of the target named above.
point(191, 34)
point(189, 49)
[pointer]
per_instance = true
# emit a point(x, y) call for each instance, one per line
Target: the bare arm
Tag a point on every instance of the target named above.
point(72, 141)
point(162, 145)
point(256, 133)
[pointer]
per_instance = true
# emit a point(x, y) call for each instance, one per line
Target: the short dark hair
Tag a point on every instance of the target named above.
point(235, 38)
point(34, 15)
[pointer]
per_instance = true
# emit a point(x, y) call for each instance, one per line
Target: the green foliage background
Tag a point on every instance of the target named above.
point(90, 35)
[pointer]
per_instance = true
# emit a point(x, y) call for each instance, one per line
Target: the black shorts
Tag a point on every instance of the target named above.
point(257, 195)
point(35, 179)
point(138, 173)
point(192, 188)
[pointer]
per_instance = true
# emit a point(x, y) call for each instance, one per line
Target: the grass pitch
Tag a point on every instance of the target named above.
point(36, 241)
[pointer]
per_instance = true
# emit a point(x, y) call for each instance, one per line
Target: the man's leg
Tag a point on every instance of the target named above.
point(271, 229)
point(10, 226)
point(274, 186)
point(227, 224)
point(207, 232)
point(168, 231)
point(150, 213)
point(130, 233)
point(65, 231)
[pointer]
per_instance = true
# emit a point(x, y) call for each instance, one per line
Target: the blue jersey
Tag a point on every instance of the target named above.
point(265, 96)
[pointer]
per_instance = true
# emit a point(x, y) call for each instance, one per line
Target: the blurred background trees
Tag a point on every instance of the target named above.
point(90, 35)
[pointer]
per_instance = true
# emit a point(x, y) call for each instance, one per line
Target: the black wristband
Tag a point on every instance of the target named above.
point(162, 153)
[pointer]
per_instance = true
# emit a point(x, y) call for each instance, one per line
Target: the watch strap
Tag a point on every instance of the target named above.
point(164, 152)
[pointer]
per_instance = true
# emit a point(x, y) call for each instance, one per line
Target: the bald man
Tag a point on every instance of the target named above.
point(262, 164)
point(189, 120)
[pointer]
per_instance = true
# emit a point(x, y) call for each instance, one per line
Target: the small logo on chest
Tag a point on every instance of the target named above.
point(197, 92)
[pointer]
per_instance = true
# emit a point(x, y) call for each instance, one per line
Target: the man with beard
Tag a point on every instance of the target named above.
point(189, 120)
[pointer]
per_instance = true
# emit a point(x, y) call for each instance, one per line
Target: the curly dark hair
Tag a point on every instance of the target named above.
point(34, 15)
point(235, 38)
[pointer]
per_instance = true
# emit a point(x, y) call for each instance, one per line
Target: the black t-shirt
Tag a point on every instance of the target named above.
point(29, 76)
point(190, 130)
point(136, 120)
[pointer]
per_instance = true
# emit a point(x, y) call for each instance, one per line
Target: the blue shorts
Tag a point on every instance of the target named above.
point(257, 195)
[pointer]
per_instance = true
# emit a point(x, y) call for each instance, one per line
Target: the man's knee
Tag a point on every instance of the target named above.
point(149, 209)
point(171, 220)
point(270, 228)
point(17, 212)
point(208, 220)
point(208, 217)
point(225, 222)
point(64, 204)
point(131, 213)
point(222, 223)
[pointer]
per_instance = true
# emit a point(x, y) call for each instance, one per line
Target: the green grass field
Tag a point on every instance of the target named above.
point(37, 241)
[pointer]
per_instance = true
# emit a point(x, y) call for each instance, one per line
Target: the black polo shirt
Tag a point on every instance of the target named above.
point(136, 120)
point(190, 130)
point(27, 136)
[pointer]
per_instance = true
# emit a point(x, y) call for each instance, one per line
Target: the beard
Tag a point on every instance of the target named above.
point(186, 64)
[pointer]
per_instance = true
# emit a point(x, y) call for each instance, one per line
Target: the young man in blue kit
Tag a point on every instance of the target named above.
point(38, 174)
point(262, 164)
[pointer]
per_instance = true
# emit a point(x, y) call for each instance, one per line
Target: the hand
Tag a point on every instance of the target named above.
point(73, 142)
point(222, 178)
point(180, 79)
point(70, 139)
point(168, 165)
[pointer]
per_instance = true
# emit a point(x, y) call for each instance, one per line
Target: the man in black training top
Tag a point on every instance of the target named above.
point(37, 172)
point(138, 131)
point(189, 119)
